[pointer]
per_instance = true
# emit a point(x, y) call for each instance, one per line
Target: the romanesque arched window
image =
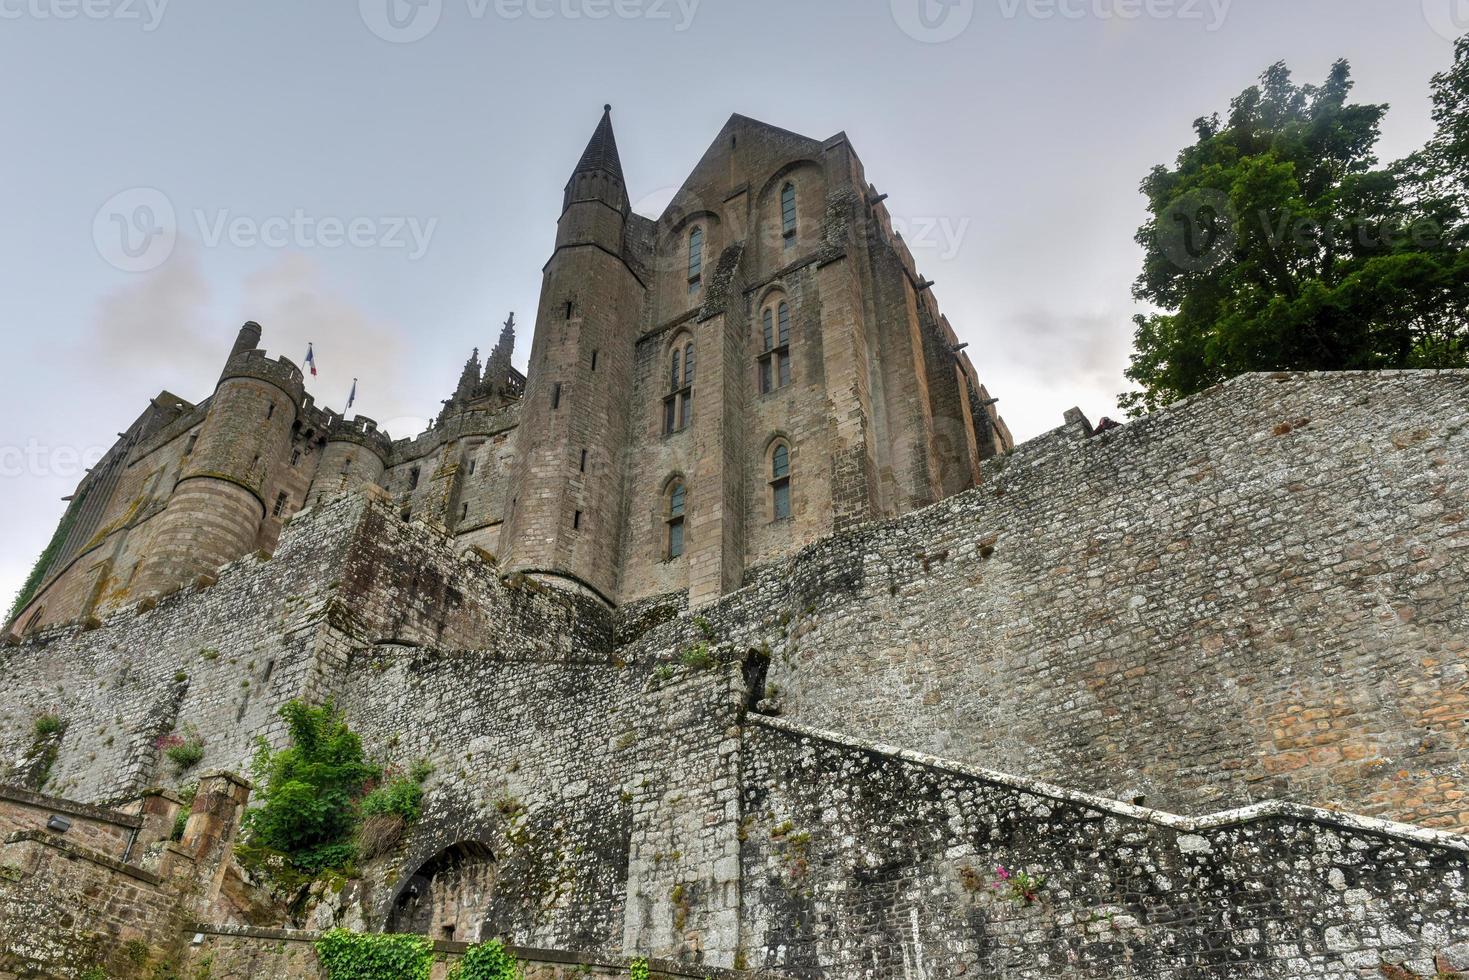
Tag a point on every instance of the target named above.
point(696, 258)
point(678, 404)
point(775, 345)
point(788, 213)
point(780, 481)
point(677, 499)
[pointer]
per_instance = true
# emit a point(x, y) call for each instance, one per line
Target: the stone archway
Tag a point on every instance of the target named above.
point(448, 896)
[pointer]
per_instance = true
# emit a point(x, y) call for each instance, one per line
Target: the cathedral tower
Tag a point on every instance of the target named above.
point(565, 514)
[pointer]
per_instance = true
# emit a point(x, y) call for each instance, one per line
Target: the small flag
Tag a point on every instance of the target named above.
point(352, 396)
point(311, 360)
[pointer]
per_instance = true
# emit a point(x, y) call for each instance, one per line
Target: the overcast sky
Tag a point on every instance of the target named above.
point(383, 177)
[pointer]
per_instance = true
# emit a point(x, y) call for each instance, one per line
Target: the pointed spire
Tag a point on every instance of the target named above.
point(601, 151)
point(497, 368)
point(469, 378)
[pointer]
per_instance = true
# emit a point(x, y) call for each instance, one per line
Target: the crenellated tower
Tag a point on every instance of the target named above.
point(215, 511)
point(565, 513)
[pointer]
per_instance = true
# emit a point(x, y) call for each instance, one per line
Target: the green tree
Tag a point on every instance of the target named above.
point(1277, 242)
point(311, 787)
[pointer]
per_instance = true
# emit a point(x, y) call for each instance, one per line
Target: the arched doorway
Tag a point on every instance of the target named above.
point(448, 896)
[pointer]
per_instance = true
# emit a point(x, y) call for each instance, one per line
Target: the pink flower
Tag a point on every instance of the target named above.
point(1004, 875)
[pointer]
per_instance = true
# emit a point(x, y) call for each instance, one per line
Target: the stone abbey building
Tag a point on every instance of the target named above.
point(758, 368)
point(739, 635)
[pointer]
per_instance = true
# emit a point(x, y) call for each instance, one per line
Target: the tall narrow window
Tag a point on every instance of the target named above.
point(788, 213)
point(556, 395)
point(678, 404)
point(780, 481)
point(189, 446)
point(696, 258)
point(775, 347)
point(583, 461)
point(576, 521)
point(594, 360)
point(280, 505)
point(675, 519)
point(413, 478)
point(270, 412)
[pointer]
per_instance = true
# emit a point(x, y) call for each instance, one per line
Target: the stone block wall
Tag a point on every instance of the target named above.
point(861, 861)
point(1258, 593)
point(98, 829)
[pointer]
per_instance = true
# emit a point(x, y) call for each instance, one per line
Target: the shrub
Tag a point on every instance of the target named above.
point(308, 813)
point(181, 819)
point(184, 753)
point(374, 956)
point(698, 657)
point(639, 969)
point(47, 726)
point(488, 961)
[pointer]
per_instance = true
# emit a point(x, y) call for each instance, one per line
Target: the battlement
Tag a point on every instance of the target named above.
point(278, 371)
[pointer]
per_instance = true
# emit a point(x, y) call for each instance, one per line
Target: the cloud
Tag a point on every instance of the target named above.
point(157, 324)
point(294, 305)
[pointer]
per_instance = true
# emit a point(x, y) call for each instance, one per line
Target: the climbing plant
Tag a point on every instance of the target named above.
point(374, 956)
point(488, 961)
point(48, 558)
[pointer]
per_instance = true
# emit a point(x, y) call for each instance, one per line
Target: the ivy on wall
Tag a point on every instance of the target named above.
point(374, 956)
point(487, 961)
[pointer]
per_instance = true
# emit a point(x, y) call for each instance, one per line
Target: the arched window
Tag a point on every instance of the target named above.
point(788, 213)
point(678, 404)
point(696, 259)
point(675, 519)
point(780, 481)
point(775, 349)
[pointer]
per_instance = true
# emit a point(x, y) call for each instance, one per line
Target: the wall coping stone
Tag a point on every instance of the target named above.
point(57, 804)
point(525, 953)
point(83, 854)
point(1254, 813)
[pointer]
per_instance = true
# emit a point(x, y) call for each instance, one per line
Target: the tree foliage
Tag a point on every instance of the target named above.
point(1277, 242)
point(311, 788)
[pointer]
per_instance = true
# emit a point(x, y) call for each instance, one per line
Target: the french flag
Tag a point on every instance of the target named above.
point(311, 360)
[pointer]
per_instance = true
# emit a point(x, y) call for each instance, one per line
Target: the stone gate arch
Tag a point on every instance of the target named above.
point(447, 896)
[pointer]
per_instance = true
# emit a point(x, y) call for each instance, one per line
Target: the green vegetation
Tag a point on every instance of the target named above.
point(639, 969)
point(487, 961)
point(43, 564)
point(698, 657)
point(1277, 242)
point(46, 733)
point(47, 725)
point(183, 752)
point(181, 819)
point(374, 956)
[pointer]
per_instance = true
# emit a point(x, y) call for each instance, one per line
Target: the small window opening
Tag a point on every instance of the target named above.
point(583, 461)
point(280, 505)
point(570, 306)
point(556, 395)
point(189, 446)
point(576, 521)
point(270, 412)
point(413, 478)
point(295, 456)
point(594, 360)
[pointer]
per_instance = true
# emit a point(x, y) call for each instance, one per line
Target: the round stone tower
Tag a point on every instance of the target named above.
point(355, 455)
point(564, 519)
point(215, 511)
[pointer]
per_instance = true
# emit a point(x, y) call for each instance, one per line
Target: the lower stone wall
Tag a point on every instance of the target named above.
point(862, 861)
point(280, 954)
point(65, 909)
point(105, 831)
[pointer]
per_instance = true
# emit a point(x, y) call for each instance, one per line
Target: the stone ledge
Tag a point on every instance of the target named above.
point(1255, 813)
point(528, 954)
point(83, 854)
point(56, 804)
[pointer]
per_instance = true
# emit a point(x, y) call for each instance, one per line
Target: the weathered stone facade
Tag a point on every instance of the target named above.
point(1258, 594)
point(569, 474)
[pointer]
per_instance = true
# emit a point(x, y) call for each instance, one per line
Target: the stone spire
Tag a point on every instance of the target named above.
point(469, 378)
point(497, 368)
point(601, 151)
point(598, 175)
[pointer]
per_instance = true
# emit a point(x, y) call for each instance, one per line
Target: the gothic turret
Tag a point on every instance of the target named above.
point(565, 515)
point(468, 378)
